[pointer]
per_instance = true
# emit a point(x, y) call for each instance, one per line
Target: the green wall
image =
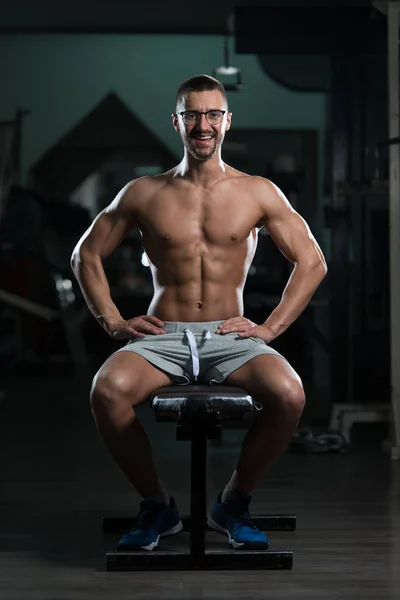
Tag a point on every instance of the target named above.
point(59, 78)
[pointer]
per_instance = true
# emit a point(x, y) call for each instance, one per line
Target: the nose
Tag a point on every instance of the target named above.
point(202, 122)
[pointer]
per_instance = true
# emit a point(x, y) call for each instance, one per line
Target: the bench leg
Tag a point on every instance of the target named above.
point(199, 557)
point(198, 491)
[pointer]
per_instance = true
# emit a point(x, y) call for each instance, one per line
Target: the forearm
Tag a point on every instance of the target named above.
point(303, 282)
point(92, 280)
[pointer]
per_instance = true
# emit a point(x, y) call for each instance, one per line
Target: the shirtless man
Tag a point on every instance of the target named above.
point(199, 223)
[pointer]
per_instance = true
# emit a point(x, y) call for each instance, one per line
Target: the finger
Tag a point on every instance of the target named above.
point(153, 330)
point(132, 332)
point(248, 333)
point(235, 328)
point(148, 327)
point(140, 330)
point(127, 332)
point(231, 322)
point(158, 330)
point(154, 320)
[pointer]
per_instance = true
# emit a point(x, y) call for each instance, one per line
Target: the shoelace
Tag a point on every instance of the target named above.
point(242, 514)
point(146, 515)
point(245, 519)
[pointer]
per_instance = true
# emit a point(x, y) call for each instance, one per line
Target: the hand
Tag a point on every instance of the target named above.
point(137, 327)
point(246, 329)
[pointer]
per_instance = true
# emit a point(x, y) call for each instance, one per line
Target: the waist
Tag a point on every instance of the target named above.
point(196, 327)
point(168, 307)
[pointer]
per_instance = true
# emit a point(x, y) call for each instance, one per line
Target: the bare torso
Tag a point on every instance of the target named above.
point(200, 244)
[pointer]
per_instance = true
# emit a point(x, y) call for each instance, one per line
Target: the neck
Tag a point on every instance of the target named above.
point(201, 172)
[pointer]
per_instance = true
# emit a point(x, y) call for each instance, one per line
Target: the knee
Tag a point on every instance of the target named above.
point(110, 390)
point(292, 397)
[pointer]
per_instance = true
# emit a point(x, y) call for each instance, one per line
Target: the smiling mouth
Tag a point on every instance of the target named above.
point(203, 140)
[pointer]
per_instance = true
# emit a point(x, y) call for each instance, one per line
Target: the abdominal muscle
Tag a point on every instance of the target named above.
point(214, 303)
point(197, 291)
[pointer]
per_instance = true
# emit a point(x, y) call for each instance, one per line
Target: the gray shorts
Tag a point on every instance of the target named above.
point(194, 353)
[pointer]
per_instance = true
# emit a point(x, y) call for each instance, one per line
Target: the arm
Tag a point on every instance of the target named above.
point(294, 239)
point(101, 239)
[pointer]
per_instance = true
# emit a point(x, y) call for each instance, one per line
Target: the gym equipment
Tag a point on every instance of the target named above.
point(37, 232)
point(199, 411)
point(393, 20)
point(231, 77)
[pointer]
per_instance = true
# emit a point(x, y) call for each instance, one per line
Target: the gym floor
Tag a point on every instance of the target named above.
point(57, 482)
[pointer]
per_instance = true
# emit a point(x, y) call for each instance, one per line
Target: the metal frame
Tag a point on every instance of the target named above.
point(198, 426)
point(341, 167)
point(393, 18)
point(10, 164)
point(339, 269)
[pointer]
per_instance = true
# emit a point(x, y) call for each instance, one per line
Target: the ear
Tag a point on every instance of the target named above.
point(228, 121)
point(175, 121)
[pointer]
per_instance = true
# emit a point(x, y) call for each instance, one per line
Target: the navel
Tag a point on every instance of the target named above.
point(234, 237)
point(199, 304)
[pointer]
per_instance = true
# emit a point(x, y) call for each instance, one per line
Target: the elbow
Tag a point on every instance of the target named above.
point(83, 257)
point(313, 264)
point(75, 260)
point(322, 271)
point(319, 264)
point(323, 267)
point(318, 268)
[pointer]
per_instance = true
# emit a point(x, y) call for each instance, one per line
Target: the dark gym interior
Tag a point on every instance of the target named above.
point(86, 97)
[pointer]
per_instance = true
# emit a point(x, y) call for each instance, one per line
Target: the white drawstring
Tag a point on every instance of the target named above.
point(193, 349)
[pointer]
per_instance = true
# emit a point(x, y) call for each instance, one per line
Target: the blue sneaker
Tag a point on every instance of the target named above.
point(154, 520)
point(233, 519)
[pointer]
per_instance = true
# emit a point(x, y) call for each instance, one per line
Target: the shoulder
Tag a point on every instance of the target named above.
point(144, 186)
point(237, 177)
point(258, 186)
point(137, 191)
point(268, 195)
point(270, 199)
point(263, 186)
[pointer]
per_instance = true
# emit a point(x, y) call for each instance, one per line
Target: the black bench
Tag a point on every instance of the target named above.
point(198, 411)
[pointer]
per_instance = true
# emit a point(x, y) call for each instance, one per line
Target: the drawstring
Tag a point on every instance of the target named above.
point(193, 349)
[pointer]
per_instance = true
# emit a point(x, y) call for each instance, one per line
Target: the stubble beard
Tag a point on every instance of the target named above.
point(198, 154)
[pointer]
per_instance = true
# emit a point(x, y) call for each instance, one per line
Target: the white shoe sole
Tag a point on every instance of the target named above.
point(176, 529)
point(236, 545)
point(220, 529)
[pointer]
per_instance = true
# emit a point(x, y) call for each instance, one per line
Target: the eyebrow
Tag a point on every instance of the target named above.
point(195, 110)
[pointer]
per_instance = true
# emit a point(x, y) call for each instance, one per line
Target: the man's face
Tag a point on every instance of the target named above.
point(202, 139)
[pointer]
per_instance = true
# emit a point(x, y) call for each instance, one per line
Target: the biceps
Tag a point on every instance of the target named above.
point(293, 237)
point(105, 234)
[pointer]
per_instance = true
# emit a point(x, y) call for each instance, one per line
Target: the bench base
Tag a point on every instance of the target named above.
point(184, 561)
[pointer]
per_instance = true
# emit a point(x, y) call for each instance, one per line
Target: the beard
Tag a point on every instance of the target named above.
point(203, 153)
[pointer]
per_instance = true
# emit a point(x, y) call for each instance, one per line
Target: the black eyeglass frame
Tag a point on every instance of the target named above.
point(198, 112)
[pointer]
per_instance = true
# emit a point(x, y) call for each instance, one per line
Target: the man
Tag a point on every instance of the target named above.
point(199, 223)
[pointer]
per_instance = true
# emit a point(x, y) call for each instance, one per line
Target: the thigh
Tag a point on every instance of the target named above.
point(130, 375)
point(266, 374)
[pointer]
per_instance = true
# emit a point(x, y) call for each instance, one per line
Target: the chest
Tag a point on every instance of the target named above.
point(215, 218)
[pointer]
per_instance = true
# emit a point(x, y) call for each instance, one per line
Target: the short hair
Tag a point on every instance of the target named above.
point(200, 83)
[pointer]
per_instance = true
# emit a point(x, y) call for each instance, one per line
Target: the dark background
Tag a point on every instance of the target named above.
point(87, 89)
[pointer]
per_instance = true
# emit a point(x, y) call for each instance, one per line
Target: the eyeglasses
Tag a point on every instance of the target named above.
point(191, 117)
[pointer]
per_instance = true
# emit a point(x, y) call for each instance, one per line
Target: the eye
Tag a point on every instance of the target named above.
point(190, 116)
